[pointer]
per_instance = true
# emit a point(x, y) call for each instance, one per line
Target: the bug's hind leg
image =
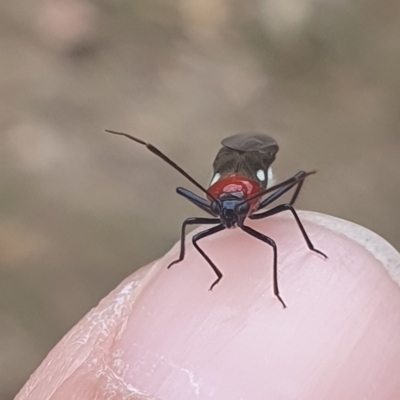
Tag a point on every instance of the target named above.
point(289, 207)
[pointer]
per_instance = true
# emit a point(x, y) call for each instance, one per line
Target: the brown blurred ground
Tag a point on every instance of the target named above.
point(81, 210)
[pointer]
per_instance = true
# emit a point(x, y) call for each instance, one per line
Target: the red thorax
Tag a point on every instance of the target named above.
point(236, 185)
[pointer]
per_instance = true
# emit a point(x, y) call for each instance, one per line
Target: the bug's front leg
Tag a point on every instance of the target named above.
point(299, 180)
point(268, 240)
point(191, 221)
point(202, 235)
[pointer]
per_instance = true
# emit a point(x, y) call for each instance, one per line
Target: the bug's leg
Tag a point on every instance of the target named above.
point(269, 241)
point(191, 221)
point(299, 180)
point(198, 201)
point(286, 207)
point(296, 192)
point(202, 235)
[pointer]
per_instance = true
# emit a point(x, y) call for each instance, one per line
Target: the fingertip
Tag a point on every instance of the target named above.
point(162, 333)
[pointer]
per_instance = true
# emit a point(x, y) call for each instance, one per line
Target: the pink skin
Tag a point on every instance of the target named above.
point(162, 335)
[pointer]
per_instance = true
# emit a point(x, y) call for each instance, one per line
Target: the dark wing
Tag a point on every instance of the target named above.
point(251, 142)
point(246, 154)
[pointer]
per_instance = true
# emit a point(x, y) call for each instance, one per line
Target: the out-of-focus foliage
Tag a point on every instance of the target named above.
point(80, 210)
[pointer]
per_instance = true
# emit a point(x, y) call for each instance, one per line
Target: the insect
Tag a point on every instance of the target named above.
point(242, 169)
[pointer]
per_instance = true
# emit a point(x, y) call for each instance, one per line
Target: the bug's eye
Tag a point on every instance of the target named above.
point(243, 209)
point(216, 208)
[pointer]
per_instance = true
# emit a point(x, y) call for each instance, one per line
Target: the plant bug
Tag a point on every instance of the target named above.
point(242, 169)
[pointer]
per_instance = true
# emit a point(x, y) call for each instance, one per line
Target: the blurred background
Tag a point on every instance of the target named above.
point(80, 209)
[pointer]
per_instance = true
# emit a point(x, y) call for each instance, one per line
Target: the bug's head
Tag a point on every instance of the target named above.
point(231, 210)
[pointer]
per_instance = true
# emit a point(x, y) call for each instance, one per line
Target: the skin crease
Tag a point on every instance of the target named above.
point(162, 335)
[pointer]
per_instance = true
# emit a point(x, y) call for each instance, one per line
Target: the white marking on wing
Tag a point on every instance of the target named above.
point(215, 178)
point(261, 175)
point(271, 180)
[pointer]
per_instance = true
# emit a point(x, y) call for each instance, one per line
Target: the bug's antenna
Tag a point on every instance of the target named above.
point(160, 154)
point(289, 181)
